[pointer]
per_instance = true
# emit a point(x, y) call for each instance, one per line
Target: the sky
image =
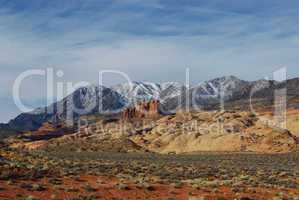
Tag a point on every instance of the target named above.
point(149, 40)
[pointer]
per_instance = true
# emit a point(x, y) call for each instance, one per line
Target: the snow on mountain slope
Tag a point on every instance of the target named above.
point(224, 87)
point(210, 93)
point(171, 89)
point(172, 95)
point(138, 91)
point(88, 99)
point(83, 101)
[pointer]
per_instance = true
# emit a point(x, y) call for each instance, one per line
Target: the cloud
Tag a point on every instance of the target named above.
point(148, 40)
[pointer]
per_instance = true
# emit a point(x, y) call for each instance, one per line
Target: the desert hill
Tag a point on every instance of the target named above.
point(183, 132)
point(216, 131)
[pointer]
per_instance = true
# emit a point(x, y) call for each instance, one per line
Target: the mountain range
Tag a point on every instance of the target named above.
point(227, 90)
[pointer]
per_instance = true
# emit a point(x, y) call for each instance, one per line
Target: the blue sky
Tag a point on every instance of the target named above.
point(149, 40)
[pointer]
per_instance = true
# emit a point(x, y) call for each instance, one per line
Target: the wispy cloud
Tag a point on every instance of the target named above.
point(149, 40)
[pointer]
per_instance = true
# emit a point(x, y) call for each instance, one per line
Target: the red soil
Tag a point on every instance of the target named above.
point(107, 188)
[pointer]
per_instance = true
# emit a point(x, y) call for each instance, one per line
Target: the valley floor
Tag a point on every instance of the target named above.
point(95, 175)
point(248, 159)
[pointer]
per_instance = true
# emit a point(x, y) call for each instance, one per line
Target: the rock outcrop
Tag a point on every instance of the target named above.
point(143, 110)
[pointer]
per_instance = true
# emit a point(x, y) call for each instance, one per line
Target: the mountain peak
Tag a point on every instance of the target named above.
point(227, 78)
point(171, 94)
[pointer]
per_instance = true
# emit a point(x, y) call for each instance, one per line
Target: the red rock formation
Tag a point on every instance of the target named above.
point(46, 128)
point(142, 110)
point(48, 131)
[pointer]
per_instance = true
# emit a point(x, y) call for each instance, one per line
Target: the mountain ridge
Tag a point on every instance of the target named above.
point(172, 96)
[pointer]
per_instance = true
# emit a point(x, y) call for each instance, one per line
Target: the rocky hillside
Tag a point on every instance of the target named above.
point(192, 132)
point(216, 131)
point(6, 131)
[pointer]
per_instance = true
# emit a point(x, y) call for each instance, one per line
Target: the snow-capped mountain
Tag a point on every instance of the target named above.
point(170, 90)
point(210, 93)
point(261, 84)
point(144, 91)
point(83, 101)
point(87, 100)
point(223, 87)
point(138, 91)
point(172, 96)
point(95, 99)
